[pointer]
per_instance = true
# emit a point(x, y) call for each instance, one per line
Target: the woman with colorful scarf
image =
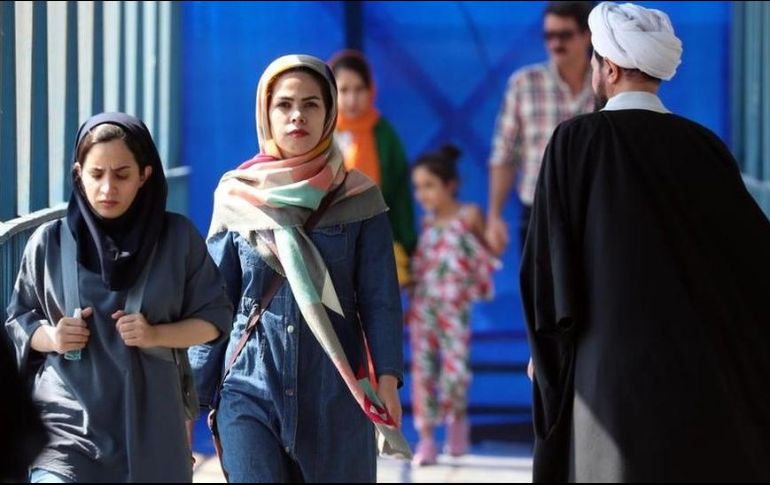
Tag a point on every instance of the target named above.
point(370, 144)
point(297, 404)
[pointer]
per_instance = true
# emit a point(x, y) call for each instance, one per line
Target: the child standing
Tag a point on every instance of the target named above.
point(451, 268)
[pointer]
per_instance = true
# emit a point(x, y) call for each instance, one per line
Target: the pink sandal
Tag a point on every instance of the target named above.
point(458, 436)
point(426, 453)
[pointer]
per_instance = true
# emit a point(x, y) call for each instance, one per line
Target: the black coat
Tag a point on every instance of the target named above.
point(646, 286)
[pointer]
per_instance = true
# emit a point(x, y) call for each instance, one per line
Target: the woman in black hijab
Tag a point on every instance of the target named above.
point(114, 239)
point(103, 300)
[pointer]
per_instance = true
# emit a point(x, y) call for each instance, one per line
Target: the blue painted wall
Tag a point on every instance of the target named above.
point(226, 46)
point(440, 70)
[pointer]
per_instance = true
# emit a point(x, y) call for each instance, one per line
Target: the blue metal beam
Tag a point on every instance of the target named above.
point(97, 92)
point(139, 63)
point(38, 179)
point(354, 22)
point(765, 63)
point(8, 173)
point(156, 79)
point(122, 59)
point(736, 85)
point(175, 89)
point(70, 93)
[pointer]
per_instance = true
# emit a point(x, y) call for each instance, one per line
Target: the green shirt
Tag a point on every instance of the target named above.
point(395, 184)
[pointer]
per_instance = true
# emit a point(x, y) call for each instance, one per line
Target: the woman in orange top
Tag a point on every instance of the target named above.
point(370, 144)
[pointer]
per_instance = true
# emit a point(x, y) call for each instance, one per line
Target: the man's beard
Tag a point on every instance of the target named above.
point(600, 96)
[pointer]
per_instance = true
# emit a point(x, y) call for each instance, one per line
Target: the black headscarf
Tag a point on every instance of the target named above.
point(118, 248)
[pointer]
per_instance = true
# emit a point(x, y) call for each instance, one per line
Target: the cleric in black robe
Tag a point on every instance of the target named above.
point(646, 284)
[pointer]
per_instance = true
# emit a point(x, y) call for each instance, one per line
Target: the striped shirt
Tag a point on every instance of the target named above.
point(536, 101)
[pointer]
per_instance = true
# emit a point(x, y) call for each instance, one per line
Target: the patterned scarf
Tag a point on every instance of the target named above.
point(268, 199)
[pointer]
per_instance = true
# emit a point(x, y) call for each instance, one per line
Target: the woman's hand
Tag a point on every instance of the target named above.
point(135, 330)
point(69, 333)
point(388, 394)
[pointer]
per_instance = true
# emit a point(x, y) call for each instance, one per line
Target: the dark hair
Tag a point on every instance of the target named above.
point(355, 62)
point(442, 163)
point(107, 132)
point(576, 10)
point(630, 72)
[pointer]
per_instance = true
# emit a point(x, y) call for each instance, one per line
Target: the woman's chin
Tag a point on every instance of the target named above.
point(113, 213)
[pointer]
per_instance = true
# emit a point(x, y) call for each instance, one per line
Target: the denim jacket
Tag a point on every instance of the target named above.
point(283, 380)
point(360, 259)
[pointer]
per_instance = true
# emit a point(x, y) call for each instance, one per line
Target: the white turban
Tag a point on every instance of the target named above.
point(635, 37)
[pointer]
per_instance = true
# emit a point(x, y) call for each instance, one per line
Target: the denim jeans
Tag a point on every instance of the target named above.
point(38, 475)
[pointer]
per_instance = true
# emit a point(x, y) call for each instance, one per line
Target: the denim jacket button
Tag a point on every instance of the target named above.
point(289, 392)
point(290, 329)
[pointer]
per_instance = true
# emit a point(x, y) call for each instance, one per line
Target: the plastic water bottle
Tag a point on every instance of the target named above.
point(74, 354)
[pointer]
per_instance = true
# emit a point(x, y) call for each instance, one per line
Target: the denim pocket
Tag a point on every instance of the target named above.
point(331, 242)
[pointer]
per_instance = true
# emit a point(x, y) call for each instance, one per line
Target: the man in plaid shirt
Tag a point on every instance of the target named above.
point(538, 98)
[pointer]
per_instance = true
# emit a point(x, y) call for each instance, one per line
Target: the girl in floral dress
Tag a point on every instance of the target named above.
point(451, 268)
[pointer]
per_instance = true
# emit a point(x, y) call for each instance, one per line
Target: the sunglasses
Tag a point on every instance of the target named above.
point(561, 35)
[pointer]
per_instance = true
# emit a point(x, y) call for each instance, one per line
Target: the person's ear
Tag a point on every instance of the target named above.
point(613, 71)
point(146, 175)
point(78, 170)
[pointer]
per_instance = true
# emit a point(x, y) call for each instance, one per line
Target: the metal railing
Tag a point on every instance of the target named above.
point(15, 233)
point(13, 238)
point(60, 63)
